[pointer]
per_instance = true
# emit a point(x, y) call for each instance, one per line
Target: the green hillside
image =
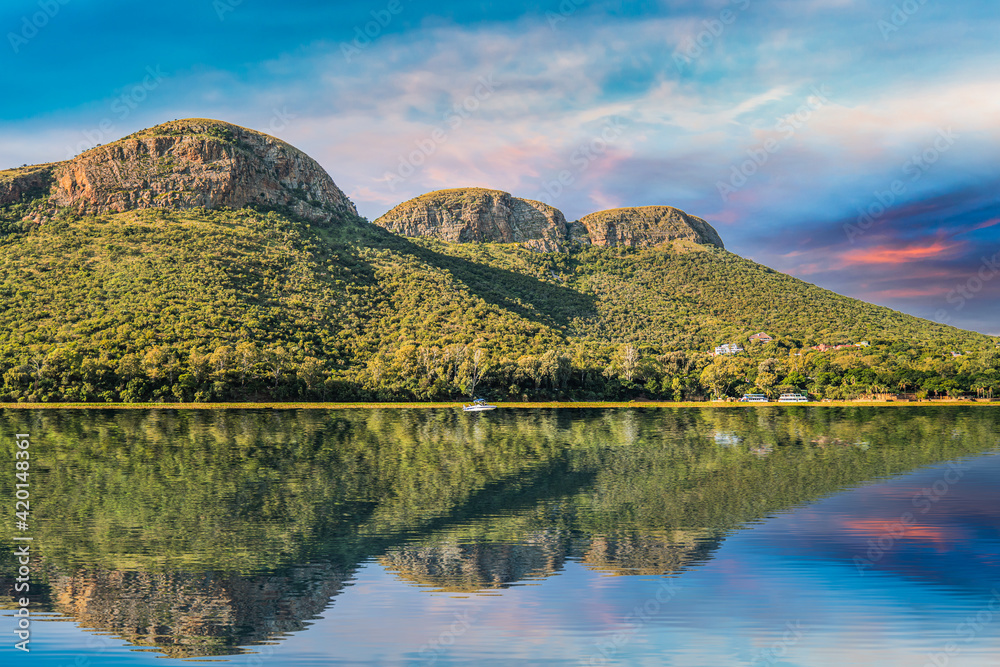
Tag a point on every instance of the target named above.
point(164, 305)
point(200, 261)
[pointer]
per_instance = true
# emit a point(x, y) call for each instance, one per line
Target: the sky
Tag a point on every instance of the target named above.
point(850, 143)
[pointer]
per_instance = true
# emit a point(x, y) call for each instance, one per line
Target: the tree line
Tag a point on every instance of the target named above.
point(248, 371)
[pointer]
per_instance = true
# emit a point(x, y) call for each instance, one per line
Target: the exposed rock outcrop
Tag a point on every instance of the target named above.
point(25, 183)
point(477, 215)
point(185, 164)
point(647, 226)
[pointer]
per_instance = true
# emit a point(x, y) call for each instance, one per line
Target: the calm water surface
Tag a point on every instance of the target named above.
point(751, 536)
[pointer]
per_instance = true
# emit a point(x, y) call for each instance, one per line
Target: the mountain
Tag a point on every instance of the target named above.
point(198, 260)
point(182, 165)
point(477, 215)
point(647, 227)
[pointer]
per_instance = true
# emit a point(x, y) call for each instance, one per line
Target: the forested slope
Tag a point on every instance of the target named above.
point(198, 304)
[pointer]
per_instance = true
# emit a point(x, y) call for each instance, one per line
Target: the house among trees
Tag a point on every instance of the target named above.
point(761, 338)
point(728, 348)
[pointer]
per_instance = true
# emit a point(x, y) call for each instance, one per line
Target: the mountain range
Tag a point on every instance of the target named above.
point(199, 260)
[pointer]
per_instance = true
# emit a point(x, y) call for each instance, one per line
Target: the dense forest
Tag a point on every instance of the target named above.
point(164, 305)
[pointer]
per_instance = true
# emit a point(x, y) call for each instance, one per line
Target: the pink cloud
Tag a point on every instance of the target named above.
point(888, 255)
point(910, 293)
point(985, 225)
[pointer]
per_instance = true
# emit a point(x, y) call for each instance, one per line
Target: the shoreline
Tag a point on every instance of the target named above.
point(500, 405)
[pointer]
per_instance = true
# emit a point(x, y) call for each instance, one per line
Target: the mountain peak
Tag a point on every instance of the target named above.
point(196, 162)
point(648, 226)
point(480, 215)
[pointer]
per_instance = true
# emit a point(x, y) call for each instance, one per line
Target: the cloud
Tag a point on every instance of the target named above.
point(891, 255)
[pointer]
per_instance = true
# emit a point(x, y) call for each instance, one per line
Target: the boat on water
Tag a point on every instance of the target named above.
point(479, 405)
point(754, 398)
point(793, 398)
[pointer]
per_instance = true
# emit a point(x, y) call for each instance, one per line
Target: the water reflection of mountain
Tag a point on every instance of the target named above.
point(188, 615)
point(184, 530)
point(477, 567)
point(486, 566)
point(650, 554)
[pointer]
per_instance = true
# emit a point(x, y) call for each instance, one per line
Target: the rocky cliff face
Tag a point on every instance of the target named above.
point(25, 183)
point(647, 226)
point(479, 215)
point(192, 163)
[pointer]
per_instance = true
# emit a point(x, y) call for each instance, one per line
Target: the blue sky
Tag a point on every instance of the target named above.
point(851, 143)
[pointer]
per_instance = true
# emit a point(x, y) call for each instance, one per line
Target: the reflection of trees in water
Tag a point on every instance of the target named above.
point(182, 529)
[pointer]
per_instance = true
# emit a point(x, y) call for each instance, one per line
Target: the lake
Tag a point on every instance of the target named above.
point(796, 535)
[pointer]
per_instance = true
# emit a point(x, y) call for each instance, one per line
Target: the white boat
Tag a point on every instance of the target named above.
point(754, 398)
point(479, 405)
point(793, 398)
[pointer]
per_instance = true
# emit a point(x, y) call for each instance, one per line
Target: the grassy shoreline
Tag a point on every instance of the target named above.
point(458, 404)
